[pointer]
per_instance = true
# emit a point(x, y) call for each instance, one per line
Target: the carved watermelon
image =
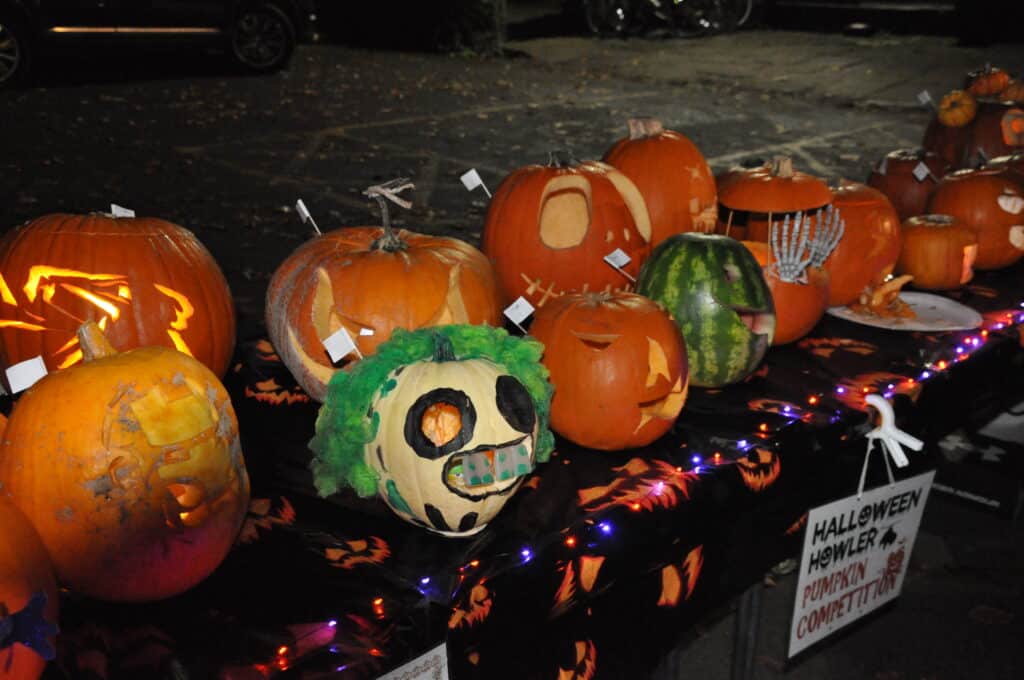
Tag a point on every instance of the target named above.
point(715, 291)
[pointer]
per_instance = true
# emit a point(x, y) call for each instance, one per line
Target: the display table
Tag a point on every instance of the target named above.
point(599, 561)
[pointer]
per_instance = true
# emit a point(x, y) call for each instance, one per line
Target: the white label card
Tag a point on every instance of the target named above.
point(921, 172)
point(519, 311)
point(925, 97)
point(303, 211)
point(25, 374)
point(618, 258)
point(339, 345)
point(855, 557)
point(471, 180)
point(118, 211)
point(430, 666)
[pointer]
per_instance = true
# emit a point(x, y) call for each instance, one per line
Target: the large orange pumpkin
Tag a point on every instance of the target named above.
point(987, 82)
point(549, 228)
point(1012, 166)
point(145, 281)
point(991, 204)
point(870, 245)
point(895, 178)
point(671, 173)
point(28, 592)
point(938, 251)
point(619, 367)
point(370, 281)
point(997, 130)
point(130, 468)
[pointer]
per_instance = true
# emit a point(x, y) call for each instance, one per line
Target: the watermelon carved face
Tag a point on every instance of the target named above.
point(716, 293)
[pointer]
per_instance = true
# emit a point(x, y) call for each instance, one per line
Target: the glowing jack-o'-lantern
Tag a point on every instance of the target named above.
point(895, 178)
point(549, 228)
point(997, 130)
point(618, 364)
point(144, 281)
point(136, 485)
point(370, 281)
point(443, 423)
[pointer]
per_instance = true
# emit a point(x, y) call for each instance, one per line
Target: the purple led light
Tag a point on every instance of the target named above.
point(605, 528)
point(425, 580)
point(695, 460)
point(959, 350)
point(925, 375)
point(787, 409)
point(743, 443)
point(332, 623)
point(527, 554)
point(840, 390)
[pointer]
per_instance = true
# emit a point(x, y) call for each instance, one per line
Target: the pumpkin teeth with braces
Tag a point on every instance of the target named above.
point(488, 470)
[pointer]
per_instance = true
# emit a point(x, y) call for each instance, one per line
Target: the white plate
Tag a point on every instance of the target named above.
point(934, 313)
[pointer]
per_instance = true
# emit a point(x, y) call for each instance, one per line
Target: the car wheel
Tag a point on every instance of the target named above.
point(13, 52)
point(262, 38)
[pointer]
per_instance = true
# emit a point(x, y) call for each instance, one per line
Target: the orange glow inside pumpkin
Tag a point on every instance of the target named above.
point(970, 254)
point(441, 423)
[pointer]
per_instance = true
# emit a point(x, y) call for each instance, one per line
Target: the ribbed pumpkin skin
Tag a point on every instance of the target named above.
point(869, 246)
point(997, 130)
point(798, 306)
point(689, 274)
point(540, 258)
point(24, 571)
point(436, 280)
point(907, 195)
point(933, 252)
point(100, 456)
point(972, 196)
point(133, 256)
point(619, 367)
point(675, 180)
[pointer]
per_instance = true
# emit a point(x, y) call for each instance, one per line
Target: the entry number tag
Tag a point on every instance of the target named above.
point(519, 311)
point(118, 211)
point(617, 258)
point(340, 344)
point(25, 374)
point(921, 172)
point(925, 97)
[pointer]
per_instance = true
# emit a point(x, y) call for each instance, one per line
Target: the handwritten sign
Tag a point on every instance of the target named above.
point(430, 666)
point(855, 557)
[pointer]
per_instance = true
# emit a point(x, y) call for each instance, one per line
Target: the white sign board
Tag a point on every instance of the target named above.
point(855, 557)
point(431, 666)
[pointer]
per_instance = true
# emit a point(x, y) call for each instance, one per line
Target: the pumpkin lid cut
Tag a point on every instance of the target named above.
point(774, 187)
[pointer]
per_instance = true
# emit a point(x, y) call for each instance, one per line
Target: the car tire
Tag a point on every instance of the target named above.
point(262, 38)
point(14, 51)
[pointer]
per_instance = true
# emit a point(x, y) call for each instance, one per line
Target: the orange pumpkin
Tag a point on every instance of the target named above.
point(938, 251)
point(997, 130)
point(799, 306)
point(27, 591)
point(619, 367)
point(987, 82)
point(895, 178)
point(370, 281)
point(1012, 166)
point(549, 228)
point(145, 281)
point(957, 109)
point(672, 175)
point(136, 484)
point(1013, 92)
point(992, 205)
point(870, 245)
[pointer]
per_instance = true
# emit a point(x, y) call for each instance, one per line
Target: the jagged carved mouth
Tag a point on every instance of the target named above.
point(664, 407)
point(489, 470)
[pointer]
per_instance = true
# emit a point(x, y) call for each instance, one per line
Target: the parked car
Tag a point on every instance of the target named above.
point(258, 34)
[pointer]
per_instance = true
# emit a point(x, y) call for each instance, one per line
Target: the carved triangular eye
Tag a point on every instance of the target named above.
point(657, 362)
point(598, 341)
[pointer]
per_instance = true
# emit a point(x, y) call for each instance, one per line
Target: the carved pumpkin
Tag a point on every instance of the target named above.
point(549, 228)
point(987, 82)
point(895, 178)
point(767, 193)
point(443, 423)
point(870, 245)
point(138, 488)
point(997, 130)
point(992, 205)
point(1013, 92)
point(618, 364)
point(145, 281)
point(672, 175)
point(946, 142)
point(938, 251)
point(28, 598)
point(1012, 166)
point(370, 281)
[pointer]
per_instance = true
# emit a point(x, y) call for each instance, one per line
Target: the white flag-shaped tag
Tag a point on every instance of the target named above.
point(925, 98)
point(619, 259)
point(118, 211)
point(340, 344)
point(519, 311)
point(25, 374)
point(921, 172)
point(305, 216)
point(471, 180)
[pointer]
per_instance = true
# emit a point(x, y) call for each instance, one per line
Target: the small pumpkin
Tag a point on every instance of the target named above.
point(28, 598)
point(997, 130)
point(987, 82)
point(895, 178)
point(671, 173)
point(549, 228)
point(618, 364)
point(370, 281)
point(714, 289)
point(144, 280)
point(992, 205)
point(938, 251)
point(957, 109)
point(137, 485)
point(443, 423)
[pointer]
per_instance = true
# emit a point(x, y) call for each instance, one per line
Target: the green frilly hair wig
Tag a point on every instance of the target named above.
point(343, 428)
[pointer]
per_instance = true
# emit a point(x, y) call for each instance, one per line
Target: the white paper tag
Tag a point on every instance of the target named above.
point(305, 216)
point(25, 374)
point(519, 311)
point(471, 180)
point(921, 172)
point(883, 167)
point(340, 344)
point(430, 666)
point(119, 211)
point(925, 98)
point(617, 258)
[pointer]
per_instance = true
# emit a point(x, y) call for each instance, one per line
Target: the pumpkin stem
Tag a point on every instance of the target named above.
point(443, 348)
point(93, 342)
point(562, 158)
point(389, 241)
point(782, 166)
point(642, 128)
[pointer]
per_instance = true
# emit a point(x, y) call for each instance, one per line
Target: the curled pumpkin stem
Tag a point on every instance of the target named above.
point(562, 158)
point(382, 193)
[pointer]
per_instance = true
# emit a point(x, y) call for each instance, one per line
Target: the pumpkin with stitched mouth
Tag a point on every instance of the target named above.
point(618, 364)
point(715, 291)
point(443, 423)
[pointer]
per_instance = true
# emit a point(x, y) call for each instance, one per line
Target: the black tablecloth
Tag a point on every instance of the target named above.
point(598, 561)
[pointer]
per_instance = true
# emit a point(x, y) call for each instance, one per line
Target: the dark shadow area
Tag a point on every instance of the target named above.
point(442, 25)
point(127, 63)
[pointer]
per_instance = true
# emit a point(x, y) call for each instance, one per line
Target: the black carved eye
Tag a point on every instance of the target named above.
point(440, 422)
point(514, 404)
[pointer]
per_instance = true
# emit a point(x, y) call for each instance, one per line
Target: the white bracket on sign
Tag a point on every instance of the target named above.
point(890, 437)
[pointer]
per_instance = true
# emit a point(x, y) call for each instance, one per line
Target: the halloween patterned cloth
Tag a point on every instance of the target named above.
point(592, 569)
